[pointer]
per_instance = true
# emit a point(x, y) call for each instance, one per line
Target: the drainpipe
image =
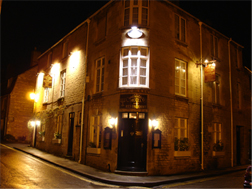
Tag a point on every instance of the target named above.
point(84, 90)
point(201, 99)
point(231, 104)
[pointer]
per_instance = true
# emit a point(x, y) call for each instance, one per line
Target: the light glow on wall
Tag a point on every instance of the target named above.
point(153, 124)
point(40, 79)
point(75, 59)
point(55, 69)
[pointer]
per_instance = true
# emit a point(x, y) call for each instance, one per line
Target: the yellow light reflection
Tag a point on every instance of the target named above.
point(75, 59)
point(55, 68)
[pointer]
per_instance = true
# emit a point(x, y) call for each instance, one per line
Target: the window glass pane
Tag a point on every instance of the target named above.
point(125, 80)
point(103, 61)
point(134, 51)
point(133, 62)
point(176, 133)
point(141, 115)
point(127, 3)
point(98, 63)
point(126, 17)
point(142, 71)
point(125, 52)
point(125, 63)
point(143, 63)
point(143, 52)
point(135, 16)
point(176, 89)
point(135, 2)
point(133, 80)
point(182, 90)
point(144, 16)
point(176, 27)
point(125, 71)
point(182, 29)
point(142, 80)
point(182, 133)
point(124, 115)
point(132, 115)
point(145, 3)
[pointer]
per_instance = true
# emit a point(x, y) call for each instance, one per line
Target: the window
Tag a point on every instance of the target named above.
point(181, 135)
point(214, 46)
point(216, 90)
point(180, 28)
point(65, 49)
point(134, 68)
point(217, 132)
point(95, 132)
point(100, 63)
point(136, 12)
point(46, 95)
point(239, 96)
point(239, 58)
point(62, 83)
point(59, 124)
point(180, 77)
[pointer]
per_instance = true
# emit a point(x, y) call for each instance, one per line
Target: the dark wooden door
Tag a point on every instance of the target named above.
point(70, 135)
point(132, 143)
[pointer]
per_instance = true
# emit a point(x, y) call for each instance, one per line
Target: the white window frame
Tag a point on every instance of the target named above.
point(217, 132)
point(95, 130)
point(46, 95)
point(140, 16)
point(178, 126)
point(179, 28)
point(181, 77)
point(129, 66)
point(62, 84)
point(216, 89)
point(99, 72)
point(214, 46)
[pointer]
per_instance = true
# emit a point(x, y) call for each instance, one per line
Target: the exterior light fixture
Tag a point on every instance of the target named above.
point(112, 122)
point(32, 96)
point(38, 123)
point(33, 123)
point(135, 33)
point(154, 123)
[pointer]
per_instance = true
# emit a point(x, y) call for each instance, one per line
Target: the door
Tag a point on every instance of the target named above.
point(132, 141)
point(70, 135)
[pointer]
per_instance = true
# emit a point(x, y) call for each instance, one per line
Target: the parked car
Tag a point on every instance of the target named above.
point(247, 178)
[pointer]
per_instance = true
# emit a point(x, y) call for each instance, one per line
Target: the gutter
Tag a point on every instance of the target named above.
point(84, 93)
point(231, 104)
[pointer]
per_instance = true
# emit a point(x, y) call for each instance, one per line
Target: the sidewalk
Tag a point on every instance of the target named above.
point(116, 179)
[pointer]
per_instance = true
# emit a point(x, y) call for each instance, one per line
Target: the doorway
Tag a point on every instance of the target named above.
point(132, 141)
point(70, 135)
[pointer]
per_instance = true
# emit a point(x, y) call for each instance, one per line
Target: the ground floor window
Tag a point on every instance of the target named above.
point(181, 135)
point(218, 145)
point(95, 132)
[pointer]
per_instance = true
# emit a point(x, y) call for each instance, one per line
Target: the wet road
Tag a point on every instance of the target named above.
point(19, 170)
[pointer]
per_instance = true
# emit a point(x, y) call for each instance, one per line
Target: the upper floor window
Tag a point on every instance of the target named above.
point(180, 77)
point(134, 67)
point(65, 49)
point(100, 64)
point(46, 95)
point(62, 83)
point(136, 12)
point(214, 46)
point(239, 58)
point(216, 90)
point(180, 28)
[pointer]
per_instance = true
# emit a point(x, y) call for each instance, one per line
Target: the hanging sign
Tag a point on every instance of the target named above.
point(134, 101)
point(209, 73)
point(47, 82)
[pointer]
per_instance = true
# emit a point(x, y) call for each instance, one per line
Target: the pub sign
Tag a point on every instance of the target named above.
point(209, 73)
point(47, 82)
point(133, 101)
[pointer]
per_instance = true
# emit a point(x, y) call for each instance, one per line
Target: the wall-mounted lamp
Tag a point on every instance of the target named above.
point(34, 97)
point(153, 124)
point(135, 33)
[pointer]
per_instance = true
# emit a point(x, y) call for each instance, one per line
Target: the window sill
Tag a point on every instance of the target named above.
point(99, 41)
point(181, 43)
point(218, 153)
point(93, 150)
point(182, 153)
point(97, 95)
point(182, 98)
point(56, 141)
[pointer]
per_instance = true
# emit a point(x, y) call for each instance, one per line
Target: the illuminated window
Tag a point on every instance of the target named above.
point(100, 63)
point(181, 135)
point(95, 132)
point(216, 90)
point(180, 77)
point(62, 83)
point(46, 95)
point(134, 68)
point(59, 124)
point(214, 46)
point(180, 28)
point(136, 12)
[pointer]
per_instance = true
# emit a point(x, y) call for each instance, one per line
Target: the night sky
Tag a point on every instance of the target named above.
point(29, 24)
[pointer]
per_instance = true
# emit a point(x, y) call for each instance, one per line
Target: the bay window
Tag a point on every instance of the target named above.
point(134, 67)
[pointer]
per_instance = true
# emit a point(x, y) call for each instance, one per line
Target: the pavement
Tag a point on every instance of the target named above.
point(117, 179)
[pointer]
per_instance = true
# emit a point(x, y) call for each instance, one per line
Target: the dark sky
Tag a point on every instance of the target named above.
point(29, 24)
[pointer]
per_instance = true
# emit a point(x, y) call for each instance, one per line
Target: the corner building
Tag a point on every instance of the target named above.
point(134, 101)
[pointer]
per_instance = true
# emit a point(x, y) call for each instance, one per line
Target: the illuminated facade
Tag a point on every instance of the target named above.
point(123, 98)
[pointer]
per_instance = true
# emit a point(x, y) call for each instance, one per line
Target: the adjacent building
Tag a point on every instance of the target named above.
point(130, 90)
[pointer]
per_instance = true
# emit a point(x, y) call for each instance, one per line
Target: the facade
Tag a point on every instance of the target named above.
point(139, 99)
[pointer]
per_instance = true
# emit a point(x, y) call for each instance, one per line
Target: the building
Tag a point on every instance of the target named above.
point(128, 90)
point(16, 105)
